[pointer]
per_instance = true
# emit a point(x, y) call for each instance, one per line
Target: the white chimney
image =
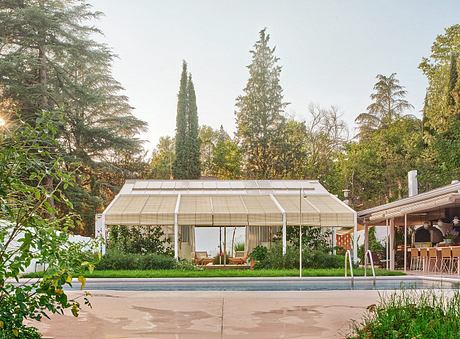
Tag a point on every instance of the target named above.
point(412, 182)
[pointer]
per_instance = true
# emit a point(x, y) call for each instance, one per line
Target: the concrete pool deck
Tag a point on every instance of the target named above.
point(124, 314)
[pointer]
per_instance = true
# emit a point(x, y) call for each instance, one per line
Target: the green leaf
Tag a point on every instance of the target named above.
point(82, 280)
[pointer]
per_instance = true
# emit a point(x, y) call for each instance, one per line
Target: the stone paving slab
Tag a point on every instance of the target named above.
point(201, 315)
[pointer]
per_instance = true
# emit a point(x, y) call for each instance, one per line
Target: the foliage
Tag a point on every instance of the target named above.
point(163, 157)
point(441, 111)
point(375, 246)
point(239, 246)
point(313, 238)
point(226, 160)
point(114, 260)
point(259, 253)
point(187, 163)
point(275, 259)
point(139, 240)
point(30, 230)
point(259, 113)
point(388, 104)
point(51, 60)
point(375, 169)
point(412, 314)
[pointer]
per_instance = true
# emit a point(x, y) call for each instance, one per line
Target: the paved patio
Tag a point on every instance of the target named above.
point(312, 314)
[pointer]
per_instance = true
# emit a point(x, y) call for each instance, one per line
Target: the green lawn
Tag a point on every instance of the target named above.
point(323, 272)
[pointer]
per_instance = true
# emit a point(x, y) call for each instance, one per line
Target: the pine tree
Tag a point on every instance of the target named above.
point(180, 169)
point(259, 113)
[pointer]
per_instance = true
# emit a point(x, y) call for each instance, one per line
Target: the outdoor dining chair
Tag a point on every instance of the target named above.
point(414, 259)
point(455, 260)
point(446, 260)
point(423, 259)
point(432, 260)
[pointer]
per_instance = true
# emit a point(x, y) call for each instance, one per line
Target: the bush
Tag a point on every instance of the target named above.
point(114, 260)
point(411, 314)
point(273, 258)
point(259, 253)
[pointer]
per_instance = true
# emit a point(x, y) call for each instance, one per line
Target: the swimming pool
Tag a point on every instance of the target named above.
point(266, 284)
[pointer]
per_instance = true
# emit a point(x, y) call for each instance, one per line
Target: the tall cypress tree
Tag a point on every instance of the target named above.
point(180, 163)
point(193, 141)
point(259, 113)
point(187, 162)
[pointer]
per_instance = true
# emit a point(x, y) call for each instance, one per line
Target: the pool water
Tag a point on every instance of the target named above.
point(306, 284)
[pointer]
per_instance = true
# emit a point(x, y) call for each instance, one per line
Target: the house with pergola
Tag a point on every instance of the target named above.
point(263, 207)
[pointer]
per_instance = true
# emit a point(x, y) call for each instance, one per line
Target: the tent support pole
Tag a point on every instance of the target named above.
point(176, 229)
point(366, 244)
point(405, 242)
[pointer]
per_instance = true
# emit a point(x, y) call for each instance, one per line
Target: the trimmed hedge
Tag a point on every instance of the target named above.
point(127, 261)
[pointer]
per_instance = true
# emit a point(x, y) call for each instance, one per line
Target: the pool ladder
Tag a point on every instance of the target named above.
point(367, 255)
point(348, 255)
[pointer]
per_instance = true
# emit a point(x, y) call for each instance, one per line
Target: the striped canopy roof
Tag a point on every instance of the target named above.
point(227, 203)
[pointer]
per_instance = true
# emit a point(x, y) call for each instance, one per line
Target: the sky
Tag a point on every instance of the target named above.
point(330, 51)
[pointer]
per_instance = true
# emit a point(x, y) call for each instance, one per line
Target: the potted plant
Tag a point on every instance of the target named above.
point(450, 236)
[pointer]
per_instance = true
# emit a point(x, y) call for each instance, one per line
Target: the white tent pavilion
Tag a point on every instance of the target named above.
point(262, 206)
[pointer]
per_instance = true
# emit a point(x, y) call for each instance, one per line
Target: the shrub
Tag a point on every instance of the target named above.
point(411, 314)
point(139, 240)
point(274, 258)
point(259, 253)
point(114, 260)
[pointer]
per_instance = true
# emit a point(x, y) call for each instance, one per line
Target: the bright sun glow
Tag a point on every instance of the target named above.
point(2, 122)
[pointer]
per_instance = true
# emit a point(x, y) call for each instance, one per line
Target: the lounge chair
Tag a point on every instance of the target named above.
point(202, 258)
point(241, 257)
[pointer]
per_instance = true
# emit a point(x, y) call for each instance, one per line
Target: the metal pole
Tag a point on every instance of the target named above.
point(300, 234)
point(220, 245)
point(405, 242)
point(225, 245)
point(387, 252)
point(366, 244)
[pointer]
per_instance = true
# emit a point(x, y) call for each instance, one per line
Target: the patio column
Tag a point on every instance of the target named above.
point(405, 242)
point(225, 245)
point(176, 229)
point(392, 244)
point(355, 238)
